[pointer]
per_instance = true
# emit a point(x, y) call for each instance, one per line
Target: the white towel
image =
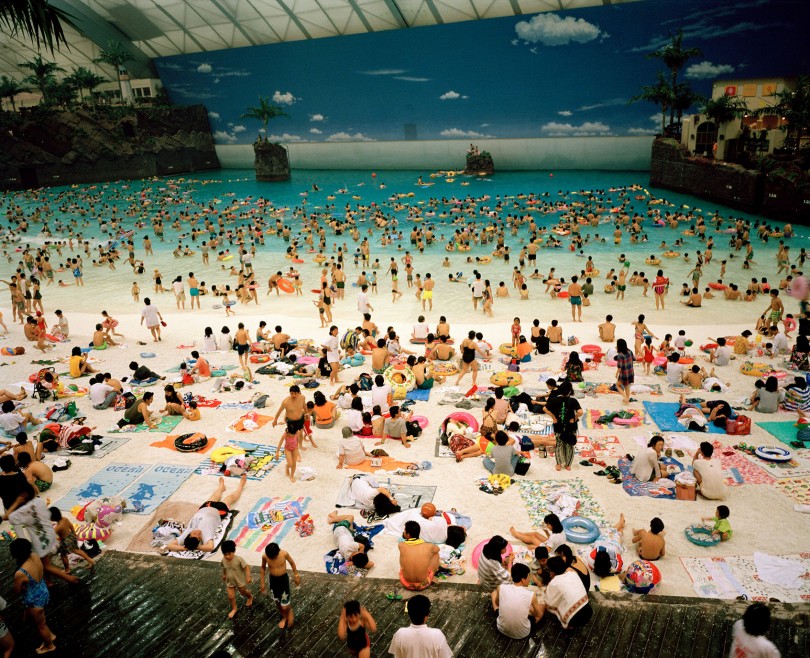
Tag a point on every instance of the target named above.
point(779, 570)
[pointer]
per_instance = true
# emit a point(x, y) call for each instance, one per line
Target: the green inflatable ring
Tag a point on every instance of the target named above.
point(701, 535)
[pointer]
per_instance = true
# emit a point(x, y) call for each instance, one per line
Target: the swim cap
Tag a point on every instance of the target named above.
point(428, 510)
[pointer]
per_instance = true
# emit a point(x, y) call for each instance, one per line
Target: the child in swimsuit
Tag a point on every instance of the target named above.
point(291, 455)
point(354, 626)
point(30, 576)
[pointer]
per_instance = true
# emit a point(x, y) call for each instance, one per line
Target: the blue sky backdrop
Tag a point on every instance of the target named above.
point(552, 74)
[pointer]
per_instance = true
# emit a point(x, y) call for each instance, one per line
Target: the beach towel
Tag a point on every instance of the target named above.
point(219, 536)
point(250, 422)
point(388, 464)
point(785, 431)
point(798, 467)
point(732, 576)
point(263, 463)
point(600, 448)
point(663, 415)
point(36, 519)
point(652, 489)
point(280, 515)
point(736, 467)
point(538, 496)
point(108, 444)
point(205, 403)
point(168, 443)
point(109, 481)
point(242, 406)
point(592, 416)
point(409, 496)
point(604, 388)
point(155, 486)
point(166, 425)
point(797, 489)
point(418, 394)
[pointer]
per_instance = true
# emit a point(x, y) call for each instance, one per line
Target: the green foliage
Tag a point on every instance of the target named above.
point(264, 111)
point(9, 88)
point(43, 75)
point(674, 57)
point(35, 19)
point(794, 105)
point(659, 94)
point(83, 78)
point(114, 55)
point(724, 109)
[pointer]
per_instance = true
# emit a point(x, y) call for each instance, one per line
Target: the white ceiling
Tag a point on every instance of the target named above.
point(170, 27)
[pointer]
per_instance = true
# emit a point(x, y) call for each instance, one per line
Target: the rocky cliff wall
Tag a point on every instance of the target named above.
point(41, 148)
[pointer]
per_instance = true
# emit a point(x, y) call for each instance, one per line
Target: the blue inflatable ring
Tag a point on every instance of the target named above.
point(580, 530)
point(773, 454)
point(147, 355)
point(701, 535)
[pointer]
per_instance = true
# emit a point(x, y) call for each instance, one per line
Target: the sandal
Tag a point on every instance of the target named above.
point(586, 462)
point(393, 596)
point(797, 444)
point(679, 453)
point(600, 473)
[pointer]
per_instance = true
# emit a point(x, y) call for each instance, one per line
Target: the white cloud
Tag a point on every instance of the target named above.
point(484, 125)
point(384, 72)
point(216, 81)
point(346, 137)
point(411, 78)
point(611, 102)
point(565, 113)
point(214, 115)
point(224, 136)
point(317, 117)
point(642, 131)
point(284, 98)
point(450, 95)
point(466, 134)
point(239, 129)
point(204, 68)
point(515, 42)
point(706, 69)
point(552, 30)
point(286, 137)
point(557, 129)
point(315, 131)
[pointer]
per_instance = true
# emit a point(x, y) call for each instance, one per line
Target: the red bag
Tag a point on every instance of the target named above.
point(739, 426)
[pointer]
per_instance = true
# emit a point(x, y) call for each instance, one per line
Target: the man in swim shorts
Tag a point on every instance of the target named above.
point(575, 297)
point(294, 407)
point(201, 531)
point(193, 289)
point(418, 560)
point(427, 291)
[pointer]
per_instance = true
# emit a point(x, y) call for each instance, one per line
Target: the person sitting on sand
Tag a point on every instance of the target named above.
point(607, 330)
point(12, 421)
point(651, 544)
point(202, 528)
point(418, 559)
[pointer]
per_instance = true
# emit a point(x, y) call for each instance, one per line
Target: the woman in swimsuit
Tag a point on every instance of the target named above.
point(468, 362)
point(30, 576)
point(660, 286)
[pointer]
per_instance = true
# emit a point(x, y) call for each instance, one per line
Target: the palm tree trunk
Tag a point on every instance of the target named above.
point(13, 104)
point(663, 119)
point(672, 109)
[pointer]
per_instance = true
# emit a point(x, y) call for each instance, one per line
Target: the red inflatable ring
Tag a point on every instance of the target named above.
point(590, 349)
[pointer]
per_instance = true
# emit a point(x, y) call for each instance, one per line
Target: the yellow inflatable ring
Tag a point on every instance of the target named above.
point(653, 261)
point(593, 272)
point(506, 378)
point(320, 258)
point(484, 260)
point(507, 349)
point(671, 254)
point(221, 455)
point(401, 380)
point(755, 369)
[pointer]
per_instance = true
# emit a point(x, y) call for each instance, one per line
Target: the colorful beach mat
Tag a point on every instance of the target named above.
point(593, 415)
point(605, 388)
point(784, 432)
point(155, 486)
point(652, 489)
point(109, 481)
point(268, 521)
point(736, 466)
point(263, 464)
point(166, 425)
point(663, 415)
point(539, 496)
point(733, 576)
point(599, 447)
point(798, 467)
point(797, 489)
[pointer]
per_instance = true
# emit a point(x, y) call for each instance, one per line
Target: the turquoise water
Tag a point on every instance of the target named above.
point(135, 203)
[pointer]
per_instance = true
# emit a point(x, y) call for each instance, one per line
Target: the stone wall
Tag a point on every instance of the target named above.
point(62, 148)
point(672, 168)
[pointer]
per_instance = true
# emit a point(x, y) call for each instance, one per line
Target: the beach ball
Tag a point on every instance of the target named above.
point(642, 577)
point(373, 175)
point(799, 287)
point(627, 263)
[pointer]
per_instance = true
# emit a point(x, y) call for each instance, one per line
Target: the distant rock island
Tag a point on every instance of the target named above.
point(272, 163)
point(479, 163)
point(46, 147)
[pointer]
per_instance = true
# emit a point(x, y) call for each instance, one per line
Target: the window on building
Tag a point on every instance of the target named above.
point(705, 137)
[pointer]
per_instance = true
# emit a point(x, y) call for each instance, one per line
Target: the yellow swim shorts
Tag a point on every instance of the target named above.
point(427, 294)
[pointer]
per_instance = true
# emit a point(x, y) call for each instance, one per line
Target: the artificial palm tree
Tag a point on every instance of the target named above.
point(83, 78)
point(793, 105)
point(264, 111)
point(684, 98)
point(659, 94)
point(115, 55)
point(43, 75)
point(37, 19)
point(9, 88)
point(674, 56)
point(724, 109)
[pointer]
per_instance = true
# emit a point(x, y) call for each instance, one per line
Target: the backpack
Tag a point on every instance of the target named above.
point(412, 428)
point(61, 412)
point(349, 340)
point(365, 382)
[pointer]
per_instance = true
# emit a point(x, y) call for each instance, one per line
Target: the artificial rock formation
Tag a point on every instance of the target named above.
point(272, 162)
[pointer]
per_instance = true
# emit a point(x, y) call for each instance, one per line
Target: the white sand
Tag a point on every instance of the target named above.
point(762, 518)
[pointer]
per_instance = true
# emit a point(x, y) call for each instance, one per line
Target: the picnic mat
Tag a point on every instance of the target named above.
point(418, 394)
point(176, 510)
point(733, 576)
point(388, 464)
point(784, 432)
point(204, 402)
point(166, 425)
point(168, 442)
point(652, 489)
point(536, 495)
point(601, 448)
point(798, 467)
point(663, 415)
point(108, 444)
point(268, 521)
point(109, 481)
point(736, 466)
point(155, 486)
point(250, 422)
point(592, 415)
point(409, 496)
point(264, 463)
point(797, 489)
point(595, 388)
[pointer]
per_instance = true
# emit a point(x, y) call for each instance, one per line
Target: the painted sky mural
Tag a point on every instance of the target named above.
point(546, 75)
